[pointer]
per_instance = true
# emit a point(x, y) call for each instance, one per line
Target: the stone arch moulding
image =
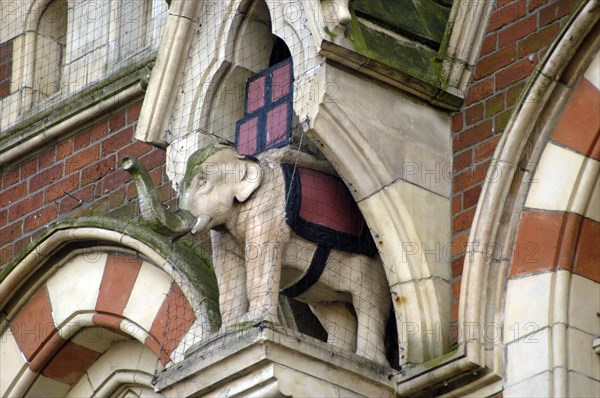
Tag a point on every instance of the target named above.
point(465, 32)
point(503, 196)
point(91, 277)
point(417, 289)
point(167, 73)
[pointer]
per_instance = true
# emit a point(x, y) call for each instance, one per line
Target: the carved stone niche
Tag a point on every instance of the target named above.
point(265, 361)
point(368, 150)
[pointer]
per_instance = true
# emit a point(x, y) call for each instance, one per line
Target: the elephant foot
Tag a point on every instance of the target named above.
point(374, 355)
point(236, 327)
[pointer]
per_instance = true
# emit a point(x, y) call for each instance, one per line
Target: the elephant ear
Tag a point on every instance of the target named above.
point(250, 179)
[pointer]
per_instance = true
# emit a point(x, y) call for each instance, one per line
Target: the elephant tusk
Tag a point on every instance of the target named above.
point(201, 224)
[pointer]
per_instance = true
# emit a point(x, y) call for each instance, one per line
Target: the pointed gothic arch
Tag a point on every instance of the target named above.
point(511, 206)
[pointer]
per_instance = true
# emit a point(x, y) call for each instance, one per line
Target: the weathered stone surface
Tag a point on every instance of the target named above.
point(404, 140)
point(424, 20)
point(266, 361)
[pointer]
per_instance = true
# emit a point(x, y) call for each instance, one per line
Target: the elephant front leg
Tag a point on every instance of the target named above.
point(230, 271)
point(263, 272)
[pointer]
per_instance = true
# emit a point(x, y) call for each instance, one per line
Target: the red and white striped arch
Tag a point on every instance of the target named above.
point(553, 289)
point(95, 321)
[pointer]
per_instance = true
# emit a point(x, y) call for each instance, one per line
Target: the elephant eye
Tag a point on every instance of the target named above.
point(201, 182)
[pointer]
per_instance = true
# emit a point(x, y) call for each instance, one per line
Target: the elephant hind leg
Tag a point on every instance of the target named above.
point(372, 302)
point(339, 322)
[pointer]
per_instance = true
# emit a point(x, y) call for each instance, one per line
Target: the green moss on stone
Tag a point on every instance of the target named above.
point(194, 163)
point(196, 267)
point(412, 58)
point(421, 20)
point(434, 363)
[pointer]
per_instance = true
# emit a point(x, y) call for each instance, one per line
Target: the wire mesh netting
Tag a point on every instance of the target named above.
point(56, 50)
point(293, 249)
point(276, 228)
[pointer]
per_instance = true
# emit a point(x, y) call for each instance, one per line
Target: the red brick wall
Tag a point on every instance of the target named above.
point(85, 167)
point(518, 35)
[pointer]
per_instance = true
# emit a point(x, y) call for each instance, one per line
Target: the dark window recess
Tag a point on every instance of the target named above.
point(6, 50)
point(280, 52)
point(267, 121)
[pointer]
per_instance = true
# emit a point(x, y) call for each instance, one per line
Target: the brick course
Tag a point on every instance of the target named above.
point(77, 176)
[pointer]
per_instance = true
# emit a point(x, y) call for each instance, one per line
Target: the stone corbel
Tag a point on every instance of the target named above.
point(336, 15)
point(166, 75)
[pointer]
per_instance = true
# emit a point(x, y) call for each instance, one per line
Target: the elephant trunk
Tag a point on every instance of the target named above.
point(153, 212)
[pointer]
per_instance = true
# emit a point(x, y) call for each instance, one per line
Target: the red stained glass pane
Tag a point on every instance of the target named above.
point(281, 82)
point(277, 124)
point(248, 137)
point(326, 201)
point(256, 95)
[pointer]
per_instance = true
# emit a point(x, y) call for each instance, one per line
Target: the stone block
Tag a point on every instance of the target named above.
point(527, 356)
point(124, 355)
point(581, 356)
point(96, 64)
point(410, 139)
point(82, 388)
point(12, 15)
point(19, 58)
point(426, 241)
point(141, 306)
point(553, 185)
point(582, 386)
point(12, 362)
point(88, 28)
point(270, 361)
point(537, 386)
point(584, 304)
point(418, 339)
point(527, 306)
point(593, 208)
point(9, 111)
point(97, 339)
point(132, 26)
point(48, 66)
point(593, 72)
point(85, 70)
point(80, 278)
point(47, 387)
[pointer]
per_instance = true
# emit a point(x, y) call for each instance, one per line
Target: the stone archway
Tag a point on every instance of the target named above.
point(553, 287)
point(532, 225)
point(89, 294)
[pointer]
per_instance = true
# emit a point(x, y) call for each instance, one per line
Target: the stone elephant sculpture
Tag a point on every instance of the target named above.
point(257, 255)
